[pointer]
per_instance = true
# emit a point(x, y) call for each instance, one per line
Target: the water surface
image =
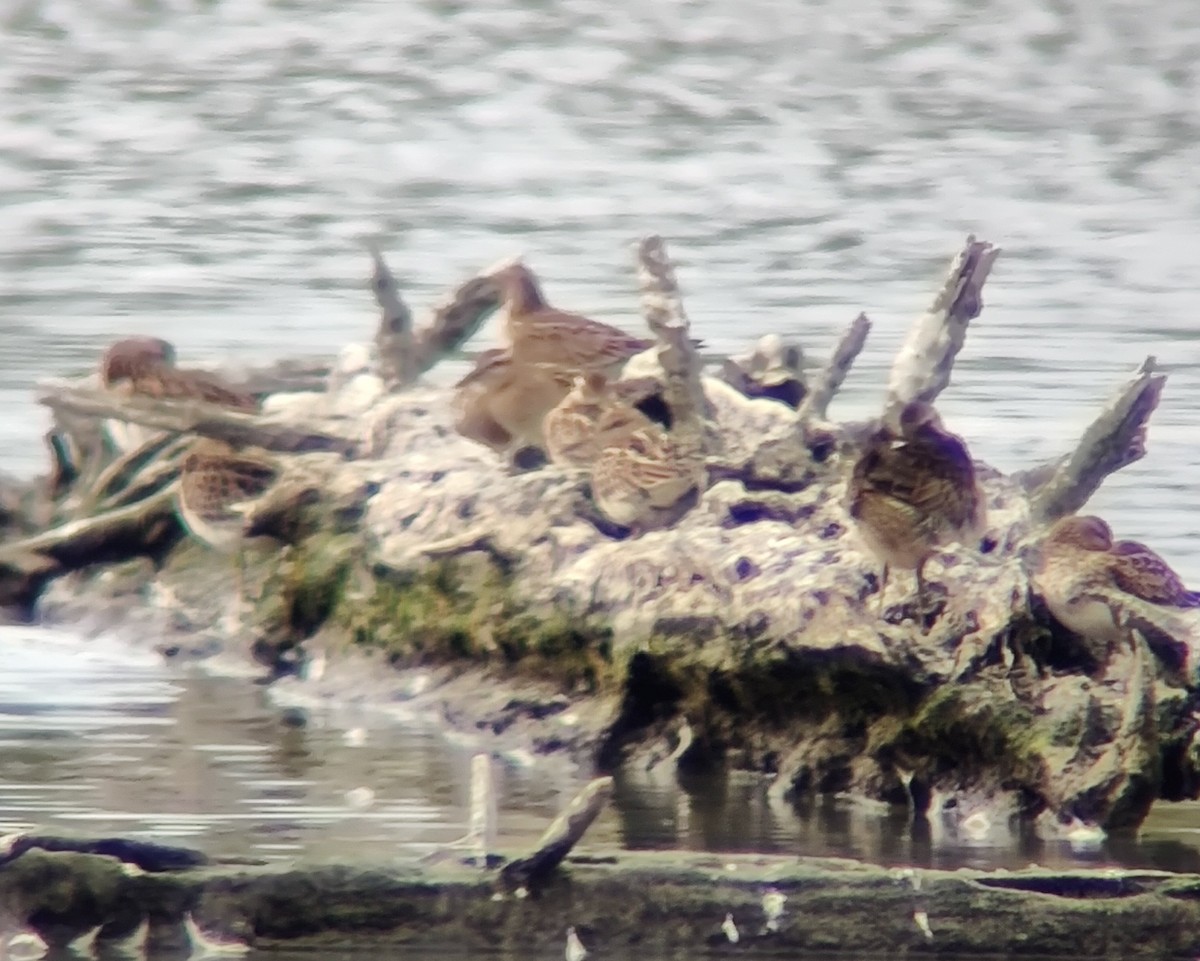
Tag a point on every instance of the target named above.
point(208, 171)
point(97, 739)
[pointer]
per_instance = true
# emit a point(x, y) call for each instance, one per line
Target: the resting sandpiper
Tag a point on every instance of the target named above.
point(914, 490)
point(1091, 583)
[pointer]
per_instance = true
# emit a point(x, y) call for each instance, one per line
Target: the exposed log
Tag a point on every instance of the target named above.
point(923, 366)
point(26, 565)
point(662, 306)
point(1115, 439)
point(563, 834)
point(406, 352)
point(90, 539)
point(816, 403)
point(236, 427)
point(117, 475)
point(394, 337)
point(648, 903)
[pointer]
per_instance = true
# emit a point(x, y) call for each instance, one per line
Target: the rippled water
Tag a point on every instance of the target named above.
point(208, 170)
point(97, 739)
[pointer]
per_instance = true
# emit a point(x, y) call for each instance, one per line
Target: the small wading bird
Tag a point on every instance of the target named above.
point(132, 357)
point(914, 490)
point(501, 403)
point(545, 336)
point(1091, 583)
point(218, 487)
point(146, 366)
point(643, 472)
point(591, 417)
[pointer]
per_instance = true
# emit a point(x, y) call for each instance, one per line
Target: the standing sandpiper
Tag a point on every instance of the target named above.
point(914, 490)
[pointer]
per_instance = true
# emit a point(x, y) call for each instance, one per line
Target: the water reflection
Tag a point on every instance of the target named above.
point(98, 739)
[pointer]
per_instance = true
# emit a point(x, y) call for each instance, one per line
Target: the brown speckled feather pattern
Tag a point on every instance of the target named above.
point(214, 479)
point(134, 357)
point(175, 384)
point(916, 491)
point(646, 471)
point(540, 334)
point(1086, 578)
point(587, 420)
point(1137, 570)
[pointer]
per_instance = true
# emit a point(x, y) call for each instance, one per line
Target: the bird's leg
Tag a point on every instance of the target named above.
point(235, 615)
point(883, 579)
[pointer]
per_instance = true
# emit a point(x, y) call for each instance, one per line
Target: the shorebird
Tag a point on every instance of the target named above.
point(174, 383)
point(543, 335)
point(914, 490)
point(134, 356)
point(217, 488)
point(146, 366)
point(588, 419)
point(1091, 583)
point(640, 472)
point(501, 403)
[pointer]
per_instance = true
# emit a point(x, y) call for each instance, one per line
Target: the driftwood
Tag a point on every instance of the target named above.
point(816, 403)
point(764, 578)
point(662, 306)
point(394, 338)
point(236, 427)
point(406, 352)
point(1116, 439)
point(564, 832)
point(922, 368)
point(622, 903)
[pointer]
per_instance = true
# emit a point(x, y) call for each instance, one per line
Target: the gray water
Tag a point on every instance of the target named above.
point(208, 170)
point(97, 739)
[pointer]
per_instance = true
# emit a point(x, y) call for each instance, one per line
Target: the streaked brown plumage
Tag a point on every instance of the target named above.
point(172, 383)
point(216, 483)
point(134, 356)
point(591, 417)
point(219, 487)
point(502, 404)
point(640, 472)
point(914, 490)
point(1089, 581)
point(542, 335)
point(146, 366)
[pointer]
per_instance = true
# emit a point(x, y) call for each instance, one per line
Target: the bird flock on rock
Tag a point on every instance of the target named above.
point(556, 387)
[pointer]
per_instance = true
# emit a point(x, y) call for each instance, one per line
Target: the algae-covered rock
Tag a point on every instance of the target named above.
point(754, 619)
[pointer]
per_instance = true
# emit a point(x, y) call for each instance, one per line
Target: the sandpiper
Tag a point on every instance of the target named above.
point(914, 490)
point(132, 357)
point(218, 485)
point(641, 472)
point(591, 417)
point(1091, 583)
point(146, 366)
point(543, 335)
point(501, 403)
point(174, 383)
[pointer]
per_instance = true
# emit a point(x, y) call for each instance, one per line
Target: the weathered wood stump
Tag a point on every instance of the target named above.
point(753, 618)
